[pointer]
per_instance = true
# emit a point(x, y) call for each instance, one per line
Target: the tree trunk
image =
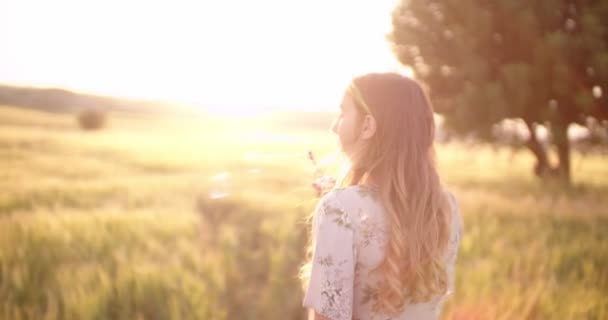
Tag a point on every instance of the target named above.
point(542, 167)
point(559, 129)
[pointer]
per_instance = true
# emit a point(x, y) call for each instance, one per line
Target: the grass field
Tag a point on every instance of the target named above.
point(122, 223)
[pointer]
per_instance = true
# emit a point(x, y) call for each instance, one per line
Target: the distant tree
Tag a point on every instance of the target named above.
point(91, 119)
point(544, 61)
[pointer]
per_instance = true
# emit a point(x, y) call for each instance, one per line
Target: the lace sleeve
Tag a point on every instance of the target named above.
point(330, 289)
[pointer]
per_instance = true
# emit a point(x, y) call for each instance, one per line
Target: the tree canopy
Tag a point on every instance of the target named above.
point(543, 61)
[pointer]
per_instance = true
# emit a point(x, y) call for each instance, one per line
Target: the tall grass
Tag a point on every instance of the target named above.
point(119, 224)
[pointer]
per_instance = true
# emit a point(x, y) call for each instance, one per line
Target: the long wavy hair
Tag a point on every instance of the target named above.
point(400, 158)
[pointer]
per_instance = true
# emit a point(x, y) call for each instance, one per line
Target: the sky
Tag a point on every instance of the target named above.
point(253, 54)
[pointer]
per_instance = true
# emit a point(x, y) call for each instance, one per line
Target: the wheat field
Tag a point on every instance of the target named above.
point(204, 217)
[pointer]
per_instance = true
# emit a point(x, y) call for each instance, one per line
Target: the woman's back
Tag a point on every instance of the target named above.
point(349, 236)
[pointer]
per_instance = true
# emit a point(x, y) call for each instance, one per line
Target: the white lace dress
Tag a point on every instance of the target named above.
point(348, 240)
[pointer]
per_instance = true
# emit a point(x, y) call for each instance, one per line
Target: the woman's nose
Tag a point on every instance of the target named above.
point(334, 126)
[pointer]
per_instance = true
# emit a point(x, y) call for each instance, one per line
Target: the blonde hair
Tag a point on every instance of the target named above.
point(401, 158)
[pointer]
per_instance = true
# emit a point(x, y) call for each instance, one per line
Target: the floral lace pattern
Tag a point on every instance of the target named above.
point(348, 240)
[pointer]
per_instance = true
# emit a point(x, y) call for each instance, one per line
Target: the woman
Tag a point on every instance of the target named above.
point(384, 244)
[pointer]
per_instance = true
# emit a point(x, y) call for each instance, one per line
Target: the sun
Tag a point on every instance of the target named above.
point(230, 54)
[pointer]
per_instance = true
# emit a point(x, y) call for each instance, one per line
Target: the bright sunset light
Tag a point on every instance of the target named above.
point(245, 54)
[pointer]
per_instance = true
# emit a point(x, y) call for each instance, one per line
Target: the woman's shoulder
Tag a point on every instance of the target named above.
point(353, 200)
point(457, 224)
point(352, 194)
point(452, 197)
point(454, 203)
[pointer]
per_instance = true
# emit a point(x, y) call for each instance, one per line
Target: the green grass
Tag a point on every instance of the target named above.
point(118, 224)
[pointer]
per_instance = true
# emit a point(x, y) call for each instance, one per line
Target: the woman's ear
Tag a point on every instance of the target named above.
point(369, 127)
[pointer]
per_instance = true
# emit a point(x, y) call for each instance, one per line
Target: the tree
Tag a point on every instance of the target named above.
point(544, 61)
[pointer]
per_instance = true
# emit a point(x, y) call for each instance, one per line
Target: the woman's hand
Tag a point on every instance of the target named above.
point(323, 185)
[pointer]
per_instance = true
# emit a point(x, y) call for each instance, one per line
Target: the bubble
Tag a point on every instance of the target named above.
point(597, 92)
point(218, 195)
point(219, 185)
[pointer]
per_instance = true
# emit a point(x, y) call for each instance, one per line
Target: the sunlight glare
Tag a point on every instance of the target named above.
point(244, 54)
